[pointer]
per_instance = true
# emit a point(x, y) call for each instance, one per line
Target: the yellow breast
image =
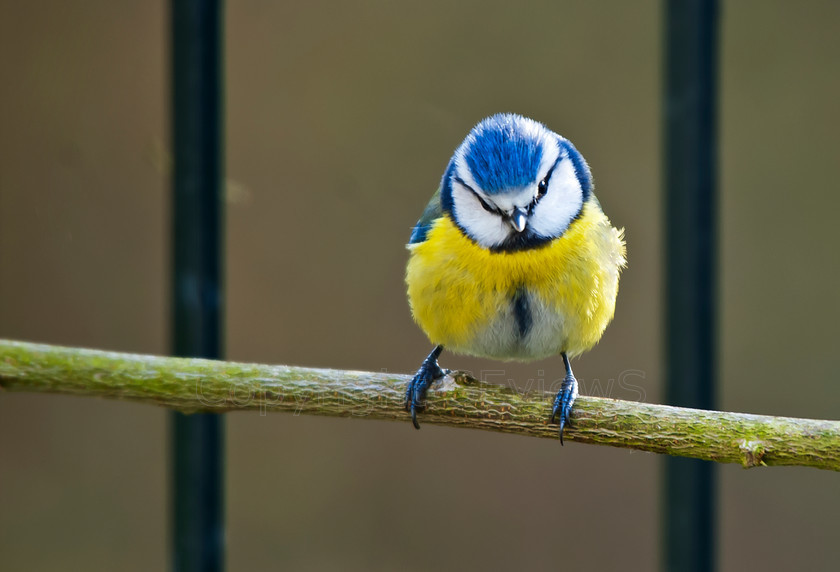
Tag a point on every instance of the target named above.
point(463, 295)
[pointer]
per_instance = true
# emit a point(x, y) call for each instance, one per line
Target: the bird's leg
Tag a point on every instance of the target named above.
point(566, 397)
point(415, 395)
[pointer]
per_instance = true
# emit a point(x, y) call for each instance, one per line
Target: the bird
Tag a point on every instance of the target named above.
point(513, 257)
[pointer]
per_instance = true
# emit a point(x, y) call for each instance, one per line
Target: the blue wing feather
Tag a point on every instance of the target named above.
point(432, 212)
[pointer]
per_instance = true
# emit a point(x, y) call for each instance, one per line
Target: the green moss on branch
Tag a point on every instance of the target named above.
point(192, 385)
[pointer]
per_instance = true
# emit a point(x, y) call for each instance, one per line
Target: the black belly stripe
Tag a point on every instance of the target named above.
point(522, 312)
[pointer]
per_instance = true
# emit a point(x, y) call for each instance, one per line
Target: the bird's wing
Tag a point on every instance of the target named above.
point(432, 212)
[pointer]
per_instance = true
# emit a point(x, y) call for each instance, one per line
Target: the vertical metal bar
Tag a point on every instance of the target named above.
point(690, 140)
point(197, 279)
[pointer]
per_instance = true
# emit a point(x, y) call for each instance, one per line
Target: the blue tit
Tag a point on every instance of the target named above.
point(513, 258)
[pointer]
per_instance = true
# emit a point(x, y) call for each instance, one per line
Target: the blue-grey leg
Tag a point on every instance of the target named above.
point(415, 395)
point(565, 398)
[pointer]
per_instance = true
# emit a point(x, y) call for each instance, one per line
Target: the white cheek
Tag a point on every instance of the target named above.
point(486, 228)
point(564, 199)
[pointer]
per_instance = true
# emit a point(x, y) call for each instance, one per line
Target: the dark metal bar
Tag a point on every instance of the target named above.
point(197, 275)
point(690, 140)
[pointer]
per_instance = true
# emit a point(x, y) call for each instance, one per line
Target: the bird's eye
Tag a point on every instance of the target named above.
point(484, 204)
point(542, 188)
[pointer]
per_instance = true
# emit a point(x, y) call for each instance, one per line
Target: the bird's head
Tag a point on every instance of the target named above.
point(514, 184)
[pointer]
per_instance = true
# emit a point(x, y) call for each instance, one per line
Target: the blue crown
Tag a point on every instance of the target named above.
point(504, 151)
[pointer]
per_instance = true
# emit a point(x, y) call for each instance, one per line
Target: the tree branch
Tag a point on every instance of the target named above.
point(192, 385)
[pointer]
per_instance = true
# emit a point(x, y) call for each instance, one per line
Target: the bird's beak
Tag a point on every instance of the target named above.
point(518, 219)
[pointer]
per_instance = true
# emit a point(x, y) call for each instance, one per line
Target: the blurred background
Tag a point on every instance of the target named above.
point(340, 120)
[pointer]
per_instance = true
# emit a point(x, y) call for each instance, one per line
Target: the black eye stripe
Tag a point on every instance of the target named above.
point(542, 188)
point(550, 172)
point(485, 206)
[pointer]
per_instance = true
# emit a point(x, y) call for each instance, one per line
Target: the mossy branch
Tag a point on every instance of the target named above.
point(193, 385)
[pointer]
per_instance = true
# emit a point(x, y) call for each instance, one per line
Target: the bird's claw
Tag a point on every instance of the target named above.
point(415, 394)
point(563, 403)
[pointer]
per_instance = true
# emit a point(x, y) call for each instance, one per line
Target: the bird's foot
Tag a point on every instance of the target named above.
point(415, 395)
point(564, 401)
